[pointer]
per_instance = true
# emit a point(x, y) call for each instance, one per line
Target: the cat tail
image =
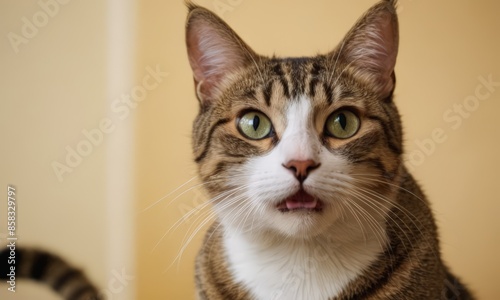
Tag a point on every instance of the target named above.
point(46, 268)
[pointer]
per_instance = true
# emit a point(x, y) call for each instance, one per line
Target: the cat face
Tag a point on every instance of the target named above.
point(297, 146)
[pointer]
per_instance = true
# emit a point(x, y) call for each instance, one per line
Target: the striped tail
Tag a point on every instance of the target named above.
point(47, 268)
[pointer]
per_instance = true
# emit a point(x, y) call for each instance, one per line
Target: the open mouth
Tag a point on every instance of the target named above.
point(300, 201)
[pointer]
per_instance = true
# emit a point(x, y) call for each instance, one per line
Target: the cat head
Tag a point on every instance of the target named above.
point(295, 146)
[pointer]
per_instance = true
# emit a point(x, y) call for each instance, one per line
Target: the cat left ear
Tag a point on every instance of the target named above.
point(371, 47)
point(215, 51)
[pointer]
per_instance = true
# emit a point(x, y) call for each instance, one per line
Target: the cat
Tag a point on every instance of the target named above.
point(303, 161)
point(49, 269)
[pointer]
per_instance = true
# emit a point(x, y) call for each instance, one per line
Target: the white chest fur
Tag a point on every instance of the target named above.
point(289, 269)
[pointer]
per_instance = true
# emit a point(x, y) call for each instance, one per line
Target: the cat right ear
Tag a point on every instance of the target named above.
point(215, 51)
point(371, 47)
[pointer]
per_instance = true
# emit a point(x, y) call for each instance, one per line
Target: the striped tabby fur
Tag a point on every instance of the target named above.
point(363, 228)
point(50, 269)
point(372, 236)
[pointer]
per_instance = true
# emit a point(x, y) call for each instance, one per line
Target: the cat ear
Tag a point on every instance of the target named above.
point(371, 47)
point(214, 50)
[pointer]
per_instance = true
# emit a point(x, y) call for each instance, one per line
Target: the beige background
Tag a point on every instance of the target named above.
point(91, 52)
point(61, 80)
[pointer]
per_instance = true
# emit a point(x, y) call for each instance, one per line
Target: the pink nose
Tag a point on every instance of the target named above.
point(301, 168)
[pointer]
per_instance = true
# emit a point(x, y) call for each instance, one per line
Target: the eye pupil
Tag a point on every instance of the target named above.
point(256, 122)
point(342, 121)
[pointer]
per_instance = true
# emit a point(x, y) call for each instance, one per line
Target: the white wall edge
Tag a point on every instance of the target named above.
point(121, 34)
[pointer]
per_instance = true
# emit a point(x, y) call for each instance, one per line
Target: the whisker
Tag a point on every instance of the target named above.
point(191, 212)
point(228, 201)
point(372, 223)
point(167, 195)
point(394, 222)
point(336, 61)
point(349, 207)
point(363, 176)
point(220, 179)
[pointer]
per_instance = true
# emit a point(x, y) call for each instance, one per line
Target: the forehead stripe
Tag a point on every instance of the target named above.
point(267, 91)
point(312, 86)
point(328, 92)
point(208, 139)
point(280, 75)
point(389, 132)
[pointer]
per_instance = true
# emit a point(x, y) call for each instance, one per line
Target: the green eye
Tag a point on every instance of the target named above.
point(342, 124)
point(254, 125)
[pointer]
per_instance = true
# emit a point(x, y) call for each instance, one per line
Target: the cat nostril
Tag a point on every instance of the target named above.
point(301, 168)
